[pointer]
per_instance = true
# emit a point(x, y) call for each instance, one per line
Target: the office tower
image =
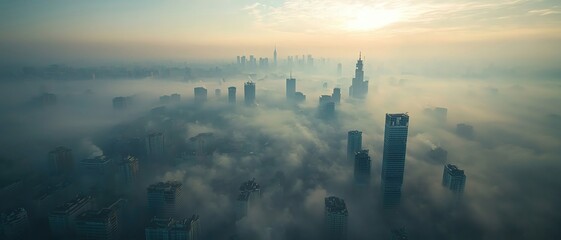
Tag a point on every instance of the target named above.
point(252, 61)
point(238, 61)
point(250, 192)
point(128, 170)
point(243, 61)
point(217, 92)
point(326, 107)
point(393, 165)
point(275, 57)
point(168, 228)
point(354, 143)
point(98, 165)
point(62, 218)
point(359, 87)
point(336, 95)
point(290, 88)
point(362, 167)
point(440, 114)
point(249, 93)
point(104, 224)
point(201, 145)
point(299, 97)
point(155, 144)
point(336, 217)
point(15, 224)
point(465, 131)
point(310, 61)
point(339, 69)
point(61, 161)
point(454, 179)
point(200, 95)
point(162, 198)
point(232, 95)
point(175, 98)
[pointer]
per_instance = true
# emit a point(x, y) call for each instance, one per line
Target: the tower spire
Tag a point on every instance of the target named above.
point(360, 55)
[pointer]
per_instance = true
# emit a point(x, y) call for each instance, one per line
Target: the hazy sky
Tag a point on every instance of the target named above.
point(331, 28)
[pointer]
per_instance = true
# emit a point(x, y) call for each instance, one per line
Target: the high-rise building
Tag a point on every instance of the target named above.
point(290, 88)
point(62, 218)
point(249, 93)
point(326, 107)
point(243, 61)
point(61, 161)
point(168, 229)
point(162, 198)
point(354, 143)
point(200, 95)
point(232, 95)
point(155, 144)
point(336, 218)
point(362, 167)
point(99, 225)
point(14, 224)
point(393, 165)
point(250, 192)
point(299, 97)
point(175, 97)
point(336, 95)
point(128, 169)
point(359, 87)
point(275, 57)
point(120, 103)
point(454, 178)
point(98, 165)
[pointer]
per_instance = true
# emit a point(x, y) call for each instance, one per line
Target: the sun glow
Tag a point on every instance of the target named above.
point(369, 19)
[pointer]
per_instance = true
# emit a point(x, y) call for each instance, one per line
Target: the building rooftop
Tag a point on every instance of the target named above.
point(14, 215)
point(171, 224)
point(71, 205)
point(169, 186)
point(60, 149)
point(355, 132)
point(397, 119)
point(96, 160)
point(454, 170)
point(335, 205)
point(249, 186)
point(95, 215)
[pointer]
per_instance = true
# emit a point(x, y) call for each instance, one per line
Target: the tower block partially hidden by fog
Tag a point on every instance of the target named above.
point(359, 87)
point(393, 163)
point(249, 94)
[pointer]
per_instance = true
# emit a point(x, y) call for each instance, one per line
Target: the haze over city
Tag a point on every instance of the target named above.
point(280, 119)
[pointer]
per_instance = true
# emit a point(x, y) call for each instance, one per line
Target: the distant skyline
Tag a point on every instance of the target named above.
point(212, 29)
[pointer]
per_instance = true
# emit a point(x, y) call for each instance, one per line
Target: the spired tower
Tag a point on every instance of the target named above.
point(359, 87)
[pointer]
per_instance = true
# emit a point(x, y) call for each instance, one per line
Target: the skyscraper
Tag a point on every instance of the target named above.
point(200, 95)
point(250, 192)
point(62, 219)
point(359, 87)
point(162, 198)
point(128, 170)
point(336, 217)
point(336, 95)
point(168, 228)
point(100, 224)
point(393, 165)
point(454, 179)
point(290, 88)
point(14, 224)
point(249, 93)
point(275, 57)
point(362, 167)
point(354, 143)
point(60, 161)
point(232, 95)
point(326, 107)
point(155, 145)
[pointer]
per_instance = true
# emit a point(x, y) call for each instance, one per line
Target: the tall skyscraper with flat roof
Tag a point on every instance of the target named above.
point(362, 167)
point(128, 170)
point(326, 107)
point(290, 88)
point(155, 144)
point(200, 95)
point(336, 95)
point(249, 93)
point(61, 161)
point(354, 143)
point(232, 95)
point(250, 192)
point(162, 198)
point(393, 163)
point(454, 178)
point(168, 228)
point(336, 218)
point(275, 57)
point(62, 218)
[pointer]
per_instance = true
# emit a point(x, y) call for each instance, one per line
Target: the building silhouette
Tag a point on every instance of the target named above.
point(163, 197)
point(336, 218)
point(354, 143)
point(454, 179)
point(275, 57)
point(249, 93)
point(290, 88)
point(14, 224)
point(393, 163)
point(359, 87)
point(168, 228)
point(326, 107)
point(62, 218)
point(249, 193)
point(128, 170)
point(232, 95)
point(362, 167)
point(155, 145)
point(104, 224)
point(336, 95)
point(61, 161)
point(200, 95)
